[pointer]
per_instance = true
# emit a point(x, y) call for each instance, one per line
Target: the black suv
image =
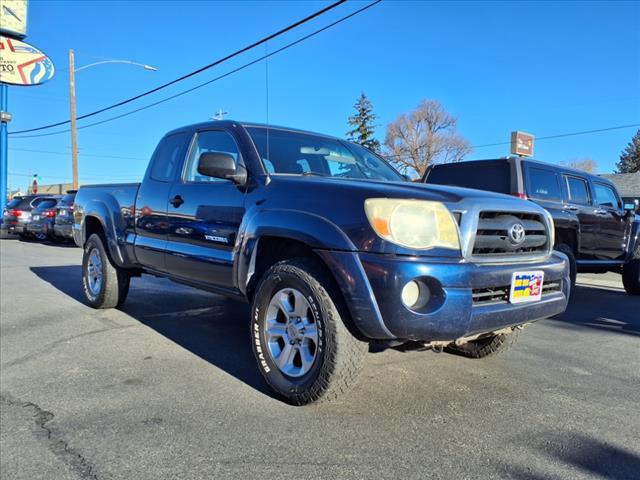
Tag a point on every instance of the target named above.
point(592, 226)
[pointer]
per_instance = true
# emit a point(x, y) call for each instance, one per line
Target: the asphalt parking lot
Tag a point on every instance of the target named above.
point(167, 387)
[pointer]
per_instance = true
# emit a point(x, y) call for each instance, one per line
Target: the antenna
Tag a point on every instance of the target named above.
point(219, 115)
point(266, 80)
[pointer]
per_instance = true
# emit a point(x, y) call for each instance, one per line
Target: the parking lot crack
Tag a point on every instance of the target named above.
point(51, 346)
point(56, 441)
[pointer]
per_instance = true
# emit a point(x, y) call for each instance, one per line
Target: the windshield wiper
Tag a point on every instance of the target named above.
point(313, 174)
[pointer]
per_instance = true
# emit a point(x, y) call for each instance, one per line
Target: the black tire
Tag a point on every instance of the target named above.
point(568, 251)
point(338, 353)
point(631, 274)
point(487, 346)
point(114, 285)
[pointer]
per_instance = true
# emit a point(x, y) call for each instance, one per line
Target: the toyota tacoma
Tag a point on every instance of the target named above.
point(333, 249)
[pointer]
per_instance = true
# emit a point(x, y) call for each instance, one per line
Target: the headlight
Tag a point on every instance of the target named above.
point(417, 224)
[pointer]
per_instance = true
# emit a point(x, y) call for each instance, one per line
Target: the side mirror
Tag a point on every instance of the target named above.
point(221, 165)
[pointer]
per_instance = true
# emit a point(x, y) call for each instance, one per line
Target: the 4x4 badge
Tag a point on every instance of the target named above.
point(517, 233)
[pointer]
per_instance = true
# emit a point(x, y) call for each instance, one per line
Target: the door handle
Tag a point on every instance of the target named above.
point(176, 201)
point(600, 211)
point(571, 208)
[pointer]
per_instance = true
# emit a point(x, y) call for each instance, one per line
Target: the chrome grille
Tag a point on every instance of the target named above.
point(510, 233)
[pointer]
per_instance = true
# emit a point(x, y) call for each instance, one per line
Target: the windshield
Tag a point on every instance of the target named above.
point(67, 200)
point(46, 204)
point(296, 153)
point(14, 202)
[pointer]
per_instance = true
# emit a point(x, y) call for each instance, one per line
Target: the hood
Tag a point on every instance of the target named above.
point(384, 188)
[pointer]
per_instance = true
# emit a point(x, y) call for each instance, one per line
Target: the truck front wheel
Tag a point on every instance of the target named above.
point(487, 346)
point(104, 284)
point(631, 274)
point(300, 341)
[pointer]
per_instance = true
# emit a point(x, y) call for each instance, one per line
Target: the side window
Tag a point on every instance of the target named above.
point(210, 141)
point(606, 197)
point(543, 184)
point(578, 191)
point(168, 156)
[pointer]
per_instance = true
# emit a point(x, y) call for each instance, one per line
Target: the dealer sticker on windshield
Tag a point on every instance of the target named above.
point(526, 287)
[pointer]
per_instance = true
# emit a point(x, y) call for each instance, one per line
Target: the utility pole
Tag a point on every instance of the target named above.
point(74, 133)
point(5, 117)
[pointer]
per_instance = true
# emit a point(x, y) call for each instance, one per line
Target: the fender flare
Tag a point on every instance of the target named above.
point(113, 225)
point(313, 230)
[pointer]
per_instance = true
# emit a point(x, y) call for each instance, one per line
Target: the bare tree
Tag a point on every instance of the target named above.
point(586, 164)
point(424, 136)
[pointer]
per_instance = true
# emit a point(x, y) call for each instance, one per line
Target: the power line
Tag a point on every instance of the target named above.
point(89, 177)
point(546, 137)
point(561, 135)
point(220, 77)
point(81, 153)
point(195, 72)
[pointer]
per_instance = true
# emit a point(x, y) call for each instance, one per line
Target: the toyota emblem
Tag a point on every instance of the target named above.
point(517, 233)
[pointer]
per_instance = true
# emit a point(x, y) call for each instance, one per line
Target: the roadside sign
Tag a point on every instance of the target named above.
point(13, 18)
point(23, 64)
point(522, 144)
point(34, 186)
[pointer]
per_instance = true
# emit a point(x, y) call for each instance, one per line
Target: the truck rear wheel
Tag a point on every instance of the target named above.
point(104, 284)
point(300, 341)
point(487, 346)
point(631, 274)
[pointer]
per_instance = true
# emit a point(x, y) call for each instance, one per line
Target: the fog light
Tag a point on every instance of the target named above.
point(410, 293)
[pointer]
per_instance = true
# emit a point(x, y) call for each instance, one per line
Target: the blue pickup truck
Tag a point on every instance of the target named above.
point(331, 246)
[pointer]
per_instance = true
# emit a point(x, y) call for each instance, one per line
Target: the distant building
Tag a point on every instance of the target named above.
point(53, 188)
point(628, 184)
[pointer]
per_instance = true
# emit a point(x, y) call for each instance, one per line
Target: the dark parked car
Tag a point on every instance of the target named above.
point(17, 214)
point(64, 216)
point(592, 225)
point(333, 248)
point(42, 219)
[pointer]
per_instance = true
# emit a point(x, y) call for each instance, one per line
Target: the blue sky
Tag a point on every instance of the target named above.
point(542, 67)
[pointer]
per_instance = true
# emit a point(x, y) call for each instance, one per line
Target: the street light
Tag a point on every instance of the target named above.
point(72, 100)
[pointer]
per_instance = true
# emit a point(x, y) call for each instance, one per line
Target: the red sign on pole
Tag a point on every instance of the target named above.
point(34, 186)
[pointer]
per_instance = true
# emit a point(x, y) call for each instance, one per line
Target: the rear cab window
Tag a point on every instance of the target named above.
point(606, 196)
point(168, 156)
point(494, 176)
point(543, 184)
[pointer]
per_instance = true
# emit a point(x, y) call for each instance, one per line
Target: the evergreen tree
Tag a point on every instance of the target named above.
point(363, 124)
point(630, 156)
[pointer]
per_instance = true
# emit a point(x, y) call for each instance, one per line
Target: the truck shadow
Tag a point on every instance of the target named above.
point(210, 326)
point(577, 451)
point(604, 309)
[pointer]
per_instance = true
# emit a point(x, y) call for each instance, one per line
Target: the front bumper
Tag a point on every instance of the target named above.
point(372, 284)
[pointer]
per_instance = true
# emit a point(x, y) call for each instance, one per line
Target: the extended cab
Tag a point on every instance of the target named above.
point(593, 227)
point(330, 245)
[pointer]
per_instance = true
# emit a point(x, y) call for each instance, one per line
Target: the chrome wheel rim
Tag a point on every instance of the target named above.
point(291, 332)
point(94, 272)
